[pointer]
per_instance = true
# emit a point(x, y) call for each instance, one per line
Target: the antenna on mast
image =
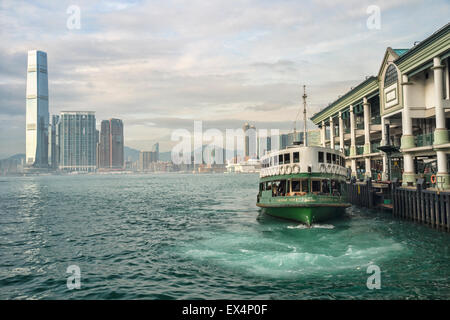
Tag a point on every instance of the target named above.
point(305, 136)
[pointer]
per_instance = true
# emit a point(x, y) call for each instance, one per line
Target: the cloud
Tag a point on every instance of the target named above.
point(160, 65)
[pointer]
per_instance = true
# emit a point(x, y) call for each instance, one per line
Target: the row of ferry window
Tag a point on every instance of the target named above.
point(285, 158)
point(297, 187)
point(330, 158)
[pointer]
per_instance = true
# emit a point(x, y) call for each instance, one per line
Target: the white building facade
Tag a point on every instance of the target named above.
point(409, 99)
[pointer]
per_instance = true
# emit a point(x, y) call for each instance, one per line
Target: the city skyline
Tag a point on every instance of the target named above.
point(238, 70)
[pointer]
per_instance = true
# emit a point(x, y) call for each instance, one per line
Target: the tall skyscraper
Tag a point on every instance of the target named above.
point(111, 145)
point(53, 143)
point(247, 139)
point(155, 149)
point(77, 138)
point(37, 116)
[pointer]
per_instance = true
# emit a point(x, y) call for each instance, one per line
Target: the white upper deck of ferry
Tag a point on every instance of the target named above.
point(300, 159)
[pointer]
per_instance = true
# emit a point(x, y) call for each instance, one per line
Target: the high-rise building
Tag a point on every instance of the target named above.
point(53, 143)
point(264, 146)
point(147, 160)
point(155, 149)
point(37, 116)
point(246, 139)
point(77, 141)
point(111, 145)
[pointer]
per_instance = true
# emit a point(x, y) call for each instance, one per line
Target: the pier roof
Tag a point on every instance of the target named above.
point(352, 97)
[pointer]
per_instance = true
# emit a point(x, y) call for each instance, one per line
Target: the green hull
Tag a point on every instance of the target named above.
point(306, 215)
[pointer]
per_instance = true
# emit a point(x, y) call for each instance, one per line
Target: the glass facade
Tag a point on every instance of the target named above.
point(37, 116)
point(77, 140)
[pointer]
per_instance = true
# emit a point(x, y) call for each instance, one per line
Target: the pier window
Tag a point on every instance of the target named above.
point(287, 158)
point(320, 157)
point(268, 185)
point(261, 186)
point(296, 156)
point(334, 159)
point(391, 76)
point(280, 159)
point(328, 157)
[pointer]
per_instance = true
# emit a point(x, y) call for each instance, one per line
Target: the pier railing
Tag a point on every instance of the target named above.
point(427, 206)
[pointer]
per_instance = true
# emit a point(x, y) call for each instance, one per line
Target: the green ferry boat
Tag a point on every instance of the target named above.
point(302, 183)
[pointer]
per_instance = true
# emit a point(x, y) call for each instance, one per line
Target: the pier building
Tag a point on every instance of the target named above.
point(405, 105)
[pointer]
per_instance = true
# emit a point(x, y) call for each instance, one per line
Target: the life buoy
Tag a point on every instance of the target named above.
point(379, 176)
point(295, 169)
point(433, 179)
point(288, 170)
point(323, 168)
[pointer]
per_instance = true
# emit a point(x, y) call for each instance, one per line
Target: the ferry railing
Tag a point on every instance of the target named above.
point(423, 140)
point(359, 149)
point(376, 120)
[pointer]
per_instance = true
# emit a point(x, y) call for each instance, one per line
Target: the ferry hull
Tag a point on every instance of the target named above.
point(306, 215)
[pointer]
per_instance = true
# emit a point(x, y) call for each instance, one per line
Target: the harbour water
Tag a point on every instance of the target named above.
point(182, 236)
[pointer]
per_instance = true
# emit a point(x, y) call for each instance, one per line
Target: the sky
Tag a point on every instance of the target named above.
point(161, 65)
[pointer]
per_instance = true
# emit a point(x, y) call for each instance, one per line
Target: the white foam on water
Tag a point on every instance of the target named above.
point(291, 257)
point(313, 226)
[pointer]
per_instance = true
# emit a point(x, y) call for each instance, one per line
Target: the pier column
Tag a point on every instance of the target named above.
point(353, 167)
point(341, 132)
point(366, 126)
point(407, 140)
point(331, 133)
point(385, 173)
point(323, 134)
point(352, 132)
point(440, 133)
point(368, 173)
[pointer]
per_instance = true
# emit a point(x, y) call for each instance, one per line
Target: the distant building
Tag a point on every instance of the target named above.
point(53, 143)
point(155, 149)
point(284, 141)
point(37, 116)
point(245, 128)
point(77, 141)
point(146, 159)
point(111, 145)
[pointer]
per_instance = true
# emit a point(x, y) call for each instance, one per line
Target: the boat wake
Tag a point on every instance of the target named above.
point(313, 226)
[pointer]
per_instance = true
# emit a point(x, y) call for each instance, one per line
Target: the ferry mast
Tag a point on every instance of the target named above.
point(305, 136)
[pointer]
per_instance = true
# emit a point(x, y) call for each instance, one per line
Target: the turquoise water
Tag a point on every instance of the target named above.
point(181, 236)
